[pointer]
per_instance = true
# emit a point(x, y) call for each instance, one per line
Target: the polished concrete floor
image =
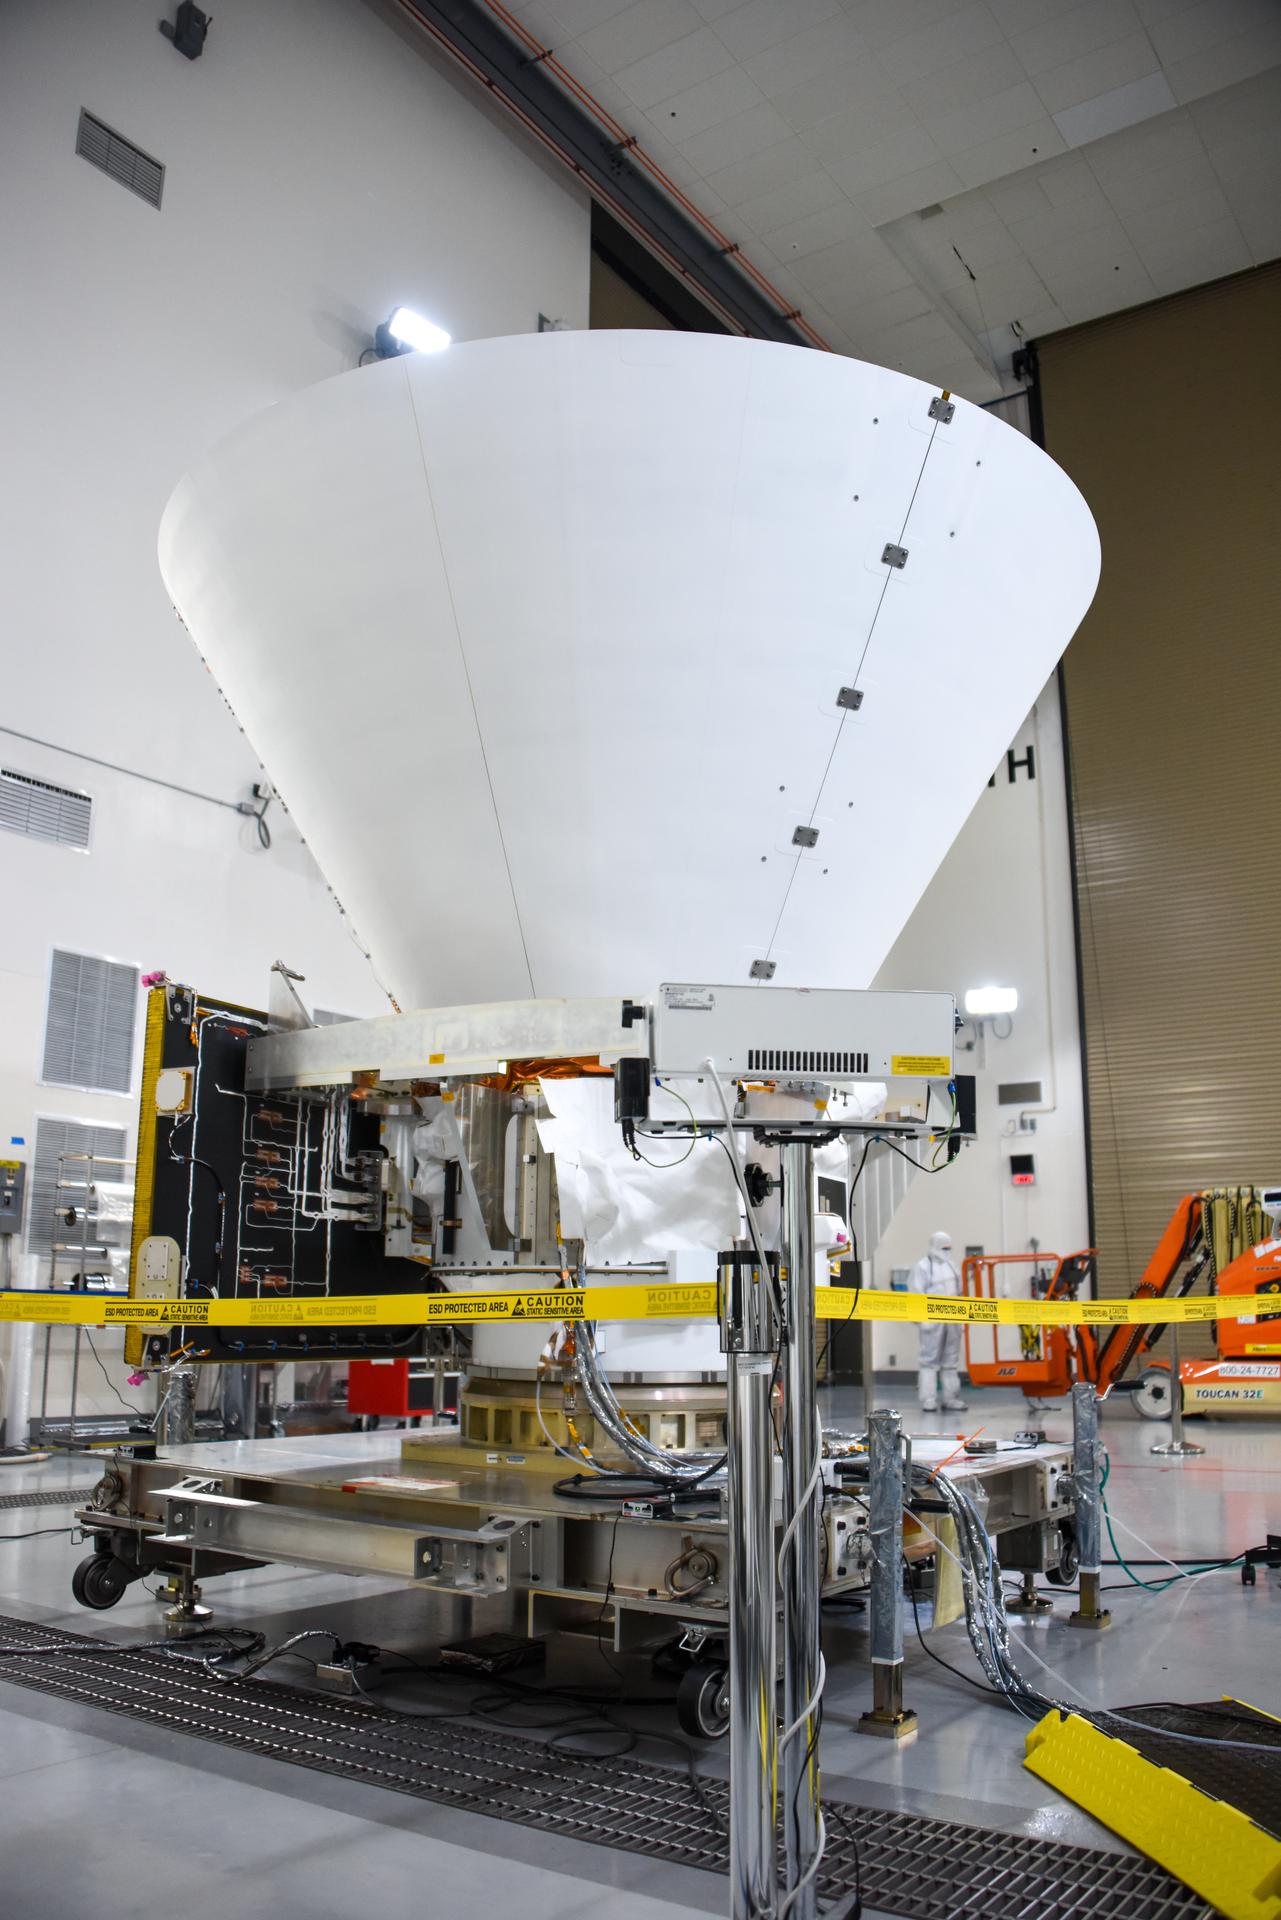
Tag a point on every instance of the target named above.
point(107, 1818)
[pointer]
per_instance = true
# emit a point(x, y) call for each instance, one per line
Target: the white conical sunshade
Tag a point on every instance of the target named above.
point(542, 642)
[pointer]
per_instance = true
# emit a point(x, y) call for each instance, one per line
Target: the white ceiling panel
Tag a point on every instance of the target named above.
point(1120, 107)
point(1079, 156)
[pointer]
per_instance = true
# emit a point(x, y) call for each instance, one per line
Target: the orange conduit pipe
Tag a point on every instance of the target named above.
point(626, 143)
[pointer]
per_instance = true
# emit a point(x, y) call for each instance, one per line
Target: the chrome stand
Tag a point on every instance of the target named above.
point(1088, 1496)
point(176, 1420)
point(1176, 1445)
point(748, 1339)
point(800, 1572)
point(889, 1718)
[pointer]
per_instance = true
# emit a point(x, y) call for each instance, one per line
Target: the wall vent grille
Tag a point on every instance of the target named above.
point(45, 812)
point(114, 155)
point(1019, 1093)
point(53, 1139)
point(89, 1025)
point(803, 1060)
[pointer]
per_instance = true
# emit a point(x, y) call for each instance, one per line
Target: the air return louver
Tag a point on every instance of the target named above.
point(44, 811)
point(96, 143)
point(803, 1060)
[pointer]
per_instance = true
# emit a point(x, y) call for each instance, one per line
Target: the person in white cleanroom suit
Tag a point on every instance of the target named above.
point(940, 1350)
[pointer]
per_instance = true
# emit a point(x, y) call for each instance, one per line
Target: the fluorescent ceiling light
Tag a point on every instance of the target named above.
point(410, 332)
point(981, 1001)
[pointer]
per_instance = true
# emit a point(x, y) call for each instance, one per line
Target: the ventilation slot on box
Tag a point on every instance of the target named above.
point(89, 1025)
point(803, 1060)
point(113, 154)
point(46, 812)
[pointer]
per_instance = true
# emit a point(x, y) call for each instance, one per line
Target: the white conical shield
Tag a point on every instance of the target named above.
point(588, 660)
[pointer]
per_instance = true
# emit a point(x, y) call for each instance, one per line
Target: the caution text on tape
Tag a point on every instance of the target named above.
point(678, 1301)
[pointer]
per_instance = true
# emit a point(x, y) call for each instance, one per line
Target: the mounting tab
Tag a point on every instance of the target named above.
point(850, 698)
point(943, 408)
point(894, 556)
point(805, 837)
point(762, 970)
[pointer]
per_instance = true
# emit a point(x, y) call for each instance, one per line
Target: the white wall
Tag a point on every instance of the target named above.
point(322, 166)
point(999, 910)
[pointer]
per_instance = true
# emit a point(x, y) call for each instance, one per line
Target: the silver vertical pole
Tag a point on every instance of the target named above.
point(889, 1717)
point(747, 1339)
point(177, 1424)
point(1176, 1444)
point(1087, 1494)
point(800, 1571)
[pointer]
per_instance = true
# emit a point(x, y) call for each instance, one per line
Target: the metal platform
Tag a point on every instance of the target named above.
point(905, 1864)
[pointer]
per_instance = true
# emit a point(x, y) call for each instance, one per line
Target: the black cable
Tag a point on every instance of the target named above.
point(600, 1617)
point(937, 1658)
point(34, 1535)
point(137, 1411)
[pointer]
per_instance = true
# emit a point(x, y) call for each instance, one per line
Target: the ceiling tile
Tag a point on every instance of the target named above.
point(760, 172)
point(1024, 16)
point(911, 192)
point(1109, 112)
point(1196, 29)
point(673, 68)
point(1065, 180)
point(1238, 59)
point(1097, 23)
point(737, 138)
point(1256, 207)
point(1004, 112)
point(1191, 258)
point(1090, 214)
point(1127, 284)
point(1039, 321)
point(822, 49)
point(759, 24)
point(713, 10)
point(808, 194)
point(945, 43)
point(1170, 219)
point(994, 159)
point(578, 16)
point(887, 310)
point(903, 152)
point(873, 123)
point(1240, 125)
point(965, 82)
point(861, 267)
point(638, 30)
point(1102, 71)
point(881, 22)
point(705, 105)
point(1156, 143)
point(816, 231)
point(1018, 198)
point(1152, 11)
point(847, 90)
point(1161, 186)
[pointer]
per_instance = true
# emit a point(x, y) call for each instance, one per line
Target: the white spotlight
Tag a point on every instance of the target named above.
point(410, 332)
point(980, 1002)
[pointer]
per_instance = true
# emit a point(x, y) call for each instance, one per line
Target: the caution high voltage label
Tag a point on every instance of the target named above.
point(674, 1302)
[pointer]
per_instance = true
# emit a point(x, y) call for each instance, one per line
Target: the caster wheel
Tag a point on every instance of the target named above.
point(702, 1702)
point(99, 1581)
point(1248, 1576)
point(1154, 1395)
point(1064, 1575)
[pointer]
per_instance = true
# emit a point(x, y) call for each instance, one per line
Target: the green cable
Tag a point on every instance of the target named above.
point(1149, 1586)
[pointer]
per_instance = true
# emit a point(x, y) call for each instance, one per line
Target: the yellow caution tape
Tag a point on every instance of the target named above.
point(678, 1301)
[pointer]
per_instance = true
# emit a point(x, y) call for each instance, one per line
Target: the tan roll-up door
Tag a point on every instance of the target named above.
point(1169, 420)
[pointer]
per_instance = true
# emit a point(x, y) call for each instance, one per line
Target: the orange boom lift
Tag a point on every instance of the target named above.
point(1220, 1236)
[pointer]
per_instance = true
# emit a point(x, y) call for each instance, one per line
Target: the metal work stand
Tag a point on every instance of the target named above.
point(1176, 1446)
point(748, 1339)
point(800, 1565)
point(889, 1718)
point(1087, 1453)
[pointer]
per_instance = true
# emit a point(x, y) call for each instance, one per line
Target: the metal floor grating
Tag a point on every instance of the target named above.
point(48, 1497)
point(908, 1865)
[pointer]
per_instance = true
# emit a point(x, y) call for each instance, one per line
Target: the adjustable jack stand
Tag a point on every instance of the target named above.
point(1029, 1600)
point(183, 1591)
